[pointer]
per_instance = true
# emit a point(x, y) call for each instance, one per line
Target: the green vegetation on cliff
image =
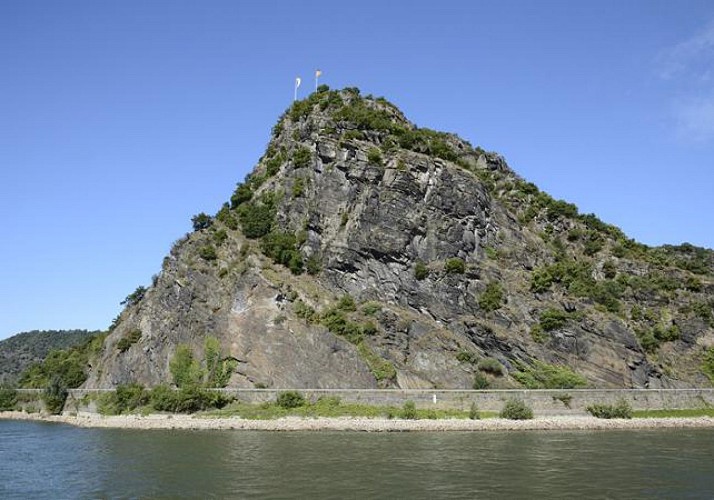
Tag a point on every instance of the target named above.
point(18, 352)
point(61, 370)
point(69, 366)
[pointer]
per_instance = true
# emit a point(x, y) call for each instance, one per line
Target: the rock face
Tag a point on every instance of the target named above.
point(365, 252)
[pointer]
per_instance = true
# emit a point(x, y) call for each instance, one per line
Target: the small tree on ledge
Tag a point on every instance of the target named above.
point(201, 221)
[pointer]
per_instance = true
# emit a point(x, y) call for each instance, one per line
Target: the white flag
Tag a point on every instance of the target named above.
point(297, 82)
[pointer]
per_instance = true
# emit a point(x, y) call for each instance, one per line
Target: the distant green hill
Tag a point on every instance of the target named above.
point(21, 350)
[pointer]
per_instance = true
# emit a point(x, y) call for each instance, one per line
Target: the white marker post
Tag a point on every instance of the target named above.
point(297, 84)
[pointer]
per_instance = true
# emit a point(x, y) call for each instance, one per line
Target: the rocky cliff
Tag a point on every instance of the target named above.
point(363, 251)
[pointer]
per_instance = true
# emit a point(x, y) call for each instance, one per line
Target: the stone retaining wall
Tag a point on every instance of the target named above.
point(543, 402)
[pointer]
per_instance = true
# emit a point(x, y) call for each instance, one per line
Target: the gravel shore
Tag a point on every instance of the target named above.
point(189, 422)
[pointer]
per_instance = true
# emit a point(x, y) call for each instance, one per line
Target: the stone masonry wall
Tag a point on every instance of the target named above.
point(543, 402)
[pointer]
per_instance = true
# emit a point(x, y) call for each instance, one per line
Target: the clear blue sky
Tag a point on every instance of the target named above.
point(119, 120)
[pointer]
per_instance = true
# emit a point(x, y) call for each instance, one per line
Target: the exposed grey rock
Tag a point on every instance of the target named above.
point(368, 225)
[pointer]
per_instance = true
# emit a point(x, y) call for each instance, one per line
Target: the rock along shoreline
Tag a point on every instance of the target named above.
point(356, 424)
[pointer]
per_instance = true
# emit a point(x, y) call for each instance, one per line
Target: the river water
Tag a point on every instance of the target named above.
point(41, 460)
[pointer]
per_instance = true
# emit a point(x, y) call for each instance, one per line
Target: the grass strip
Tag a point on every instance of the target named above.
point(332, 408)
point(677, 413)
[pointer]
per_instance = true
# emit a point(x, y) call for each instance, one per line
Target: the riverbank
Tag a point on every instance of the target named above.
point(189, 422)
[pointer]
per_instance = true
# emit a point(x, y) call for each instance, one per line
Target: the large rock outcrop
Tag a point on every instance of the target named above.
point(366, 252)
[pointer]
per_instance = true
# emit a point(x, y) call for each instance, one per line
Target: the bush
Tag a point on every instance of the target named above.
point(693, 284)
point(282, 248)
point(300, 109)
point(541, 280)
point(301, 157)
point(609, 270)
point(55, 395)
point(595, 224)
point(545, 376)
point(480, 381)
point(607, 293)
point(474, 413)
point(620, 410)
point(575, 276)
point(8, 398)
point(313, 266)
point(491, 365)
point(351, 135)
point(134, 297)
point(516, 409)
point(455, 266)
point(409, 411)
point(207, 252)
point(299, 187)
point(163, 398)
point(707, 365)
point(347, 304)
point(381, 368)
point(220, 237)
point(556, 209)
point(420, 270)
point(290, 399)
point(564, 398)
point(304, 311)
point(227, 217)
point(334, 319)
point(369, 328)
point(201, 221)
point(374, 156)
point(193, 398)
point(647, 340)
point(537, 334)
point(668, 334)
point(272, 166)
point(129, 340)
point(492, 298)
point(126, 398)
point(364, 117)
point(371, 308)
point(650, 340)
point(464, 356)
point(593, 244)
point(425, 141)
point(256, 219)
point(218, 369)
point(188, 399)
point(184, 369)
point(553, 319)
point(242, 194)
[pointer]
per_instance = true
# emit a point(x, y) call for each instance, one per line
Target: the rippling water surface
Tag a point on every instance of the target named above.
point(39, 460)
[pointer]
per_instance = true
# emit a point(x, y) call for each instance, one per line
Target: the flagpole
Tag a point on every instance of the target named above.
point(317, 77)
point(297, 84)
